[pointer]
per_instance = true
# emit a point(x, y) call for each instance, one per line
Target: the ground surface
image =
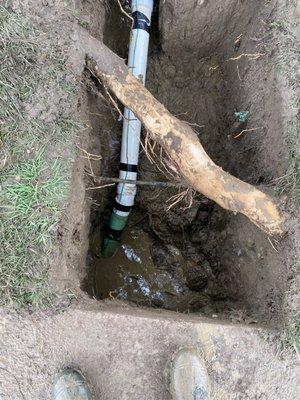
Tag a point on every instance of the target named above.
point(124, 354)
point(46, 229)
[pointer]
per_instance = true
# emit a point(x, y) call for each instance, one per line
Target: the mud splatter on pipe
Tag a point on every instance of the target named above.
point(141, 11)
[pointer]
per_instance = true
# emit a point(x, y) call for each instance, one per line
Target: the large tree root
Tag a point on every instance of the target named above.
point(178, 139)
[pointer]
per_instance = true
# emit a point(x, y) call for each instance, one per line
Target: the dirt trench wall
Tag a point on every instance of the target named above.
point(69, 261)
point(198, 28)
point(195, 79)
point(192, 32)
point(205, 90)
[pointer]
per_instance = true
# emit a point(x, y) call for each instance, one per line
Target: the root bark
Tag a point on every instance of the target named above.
point(178, 139)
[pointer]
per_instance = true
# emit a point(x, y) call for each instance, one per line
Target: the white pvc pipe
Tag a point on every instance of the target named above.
point(137, 63)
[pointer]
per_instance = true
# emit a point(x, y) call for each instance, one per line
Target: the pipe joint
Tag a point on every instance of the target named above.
point(143, 6)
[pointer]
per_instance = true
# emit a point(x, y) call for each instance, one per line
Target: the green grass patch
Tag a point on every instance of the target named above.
point(290, 182)
point(34, 181)
point(30, 190)
point(30, 199)
point(292, 337)
point(288, 68)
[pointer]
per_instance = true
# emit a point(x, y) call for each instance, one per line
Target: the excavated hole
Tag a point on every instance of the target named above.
point(189, 259)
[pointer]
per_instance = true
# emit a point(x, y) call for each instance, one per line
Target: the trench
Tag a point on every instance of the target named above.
point(193, 257)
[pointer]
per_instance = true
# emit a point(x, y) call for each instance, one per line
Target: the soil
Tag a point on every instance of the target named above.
point(125, 354)
point(224, 265)
point(194, 258)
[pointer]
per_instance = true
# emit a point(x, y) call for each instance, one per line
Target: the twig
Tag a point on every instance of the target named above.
point(168, 165)
point(238, 39)
point(246, 130)
point(272, 245)
point(190, 203)
point(125, 13)
point(100, 187)
point(194, 124)
point(140, 183)
point(151, 159)
point(88, 156)
point(253, 56)
point(114, 102)
point(91, 156)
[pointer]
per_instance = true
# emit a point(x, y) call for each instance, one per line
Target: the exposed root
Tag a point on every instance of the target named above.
point(271, 243)
point(100, 187)
point(250, 56)
point(139, 183)
point(151, 155)
point(237, 41)
point(90, 157)
point(246, 130)
point(125, 13)
point(179, 141)
point(187, 195)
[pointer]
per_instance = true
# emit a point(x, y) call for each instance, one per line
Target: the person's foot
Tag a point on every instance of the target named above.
point(70, 385)
point(189, 378)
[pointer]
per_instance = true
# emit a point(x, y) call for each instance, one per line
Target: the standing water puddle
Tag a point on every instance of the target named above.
point(132, 275)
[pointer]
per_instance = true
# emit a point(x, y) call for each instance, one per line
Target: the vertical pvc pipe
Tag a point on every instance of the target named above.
point(137, 63)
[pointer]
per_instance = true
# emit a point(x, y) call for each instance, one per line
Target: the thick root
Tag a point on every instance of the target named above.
point(179, 140)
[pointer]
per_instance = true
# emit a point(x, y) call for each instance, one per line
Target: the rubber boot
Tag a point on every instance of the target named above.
point(70, 385)
point(189, 378)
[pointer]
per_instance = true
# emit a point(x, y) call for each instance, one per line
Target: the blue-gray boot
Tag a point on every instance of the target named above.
point(70, 385)
point(189, 378)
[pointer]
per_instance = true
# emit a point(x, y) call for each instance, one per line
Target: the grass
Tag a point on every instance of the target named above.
point(29, 207)
point(290, 182)
point(29, 190)
point(34, 181)
point(288, 68)
point(294, 337)
point(291, 338)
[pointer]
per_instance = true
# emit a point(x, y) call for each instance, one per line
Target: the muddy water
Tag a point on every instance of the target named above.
point(132, 275)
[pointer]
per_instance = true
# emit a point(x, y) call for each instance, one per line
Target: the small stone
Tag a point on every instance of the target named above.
point(197, 275)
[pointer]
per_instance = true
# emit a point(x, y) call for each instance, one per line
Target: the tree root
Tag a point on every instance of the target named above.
point(178, 139)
